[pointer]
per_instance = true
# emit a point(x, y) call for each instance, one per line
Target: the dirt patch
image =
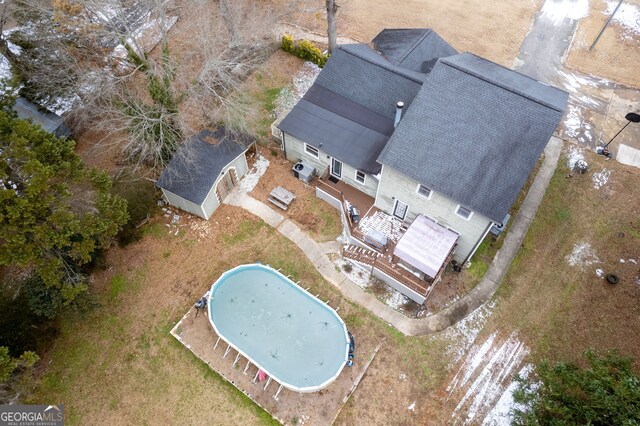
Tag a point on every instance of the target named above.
point(317, 217)
point(616, 57)
point(291, 408)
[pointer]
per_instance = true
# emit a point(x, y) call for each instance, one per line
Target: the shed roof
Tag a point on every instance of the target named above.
point(475, 132)
point(426, 245)
point(197, 164)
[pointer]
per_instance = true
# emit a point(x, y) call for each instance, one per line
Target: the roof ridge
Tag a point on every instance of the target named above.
point(497, 82)
point(386, 64)
point(415, 44)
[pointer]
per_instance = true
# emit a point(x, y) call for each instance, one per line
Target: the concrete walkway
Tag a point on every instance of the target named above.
point(448, 316)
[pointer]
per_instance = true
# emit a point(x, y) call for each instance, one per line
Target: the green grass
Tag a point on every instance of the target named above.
point(117, 285)
point(246, 230)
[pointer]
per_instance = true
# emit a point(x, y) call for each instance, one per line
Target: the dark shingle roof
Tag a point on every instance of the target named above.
point(360, 74)
point(197, 164)
point(350, 107)
point(415, 49)
point(49, 121)
point(475, 132)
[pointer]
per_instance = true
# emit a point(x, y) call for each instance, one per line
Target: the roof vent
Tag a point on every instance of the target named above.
point(399, 107)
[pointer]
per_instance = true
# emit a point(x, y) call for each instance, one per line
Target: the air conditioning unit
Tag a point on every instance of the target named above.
point(303, 171)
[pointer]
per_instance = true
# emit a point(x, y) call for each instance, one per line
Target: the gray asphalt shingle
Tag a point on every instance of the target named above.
point(475, 132)
point(416, 49)
point(197, 164)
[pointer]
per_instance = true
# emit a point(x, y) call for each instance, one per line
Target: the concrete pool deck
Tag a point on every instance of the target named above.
point(448, 316)
point(322, 407)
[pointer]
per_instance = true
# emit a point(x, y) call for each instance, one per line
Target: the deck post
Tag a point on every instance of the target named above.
point(268, 383)
point(235, 361)
point(226, 352)
point(216, 345)
point(256, 376)
point(277, 393)
point(246, 368)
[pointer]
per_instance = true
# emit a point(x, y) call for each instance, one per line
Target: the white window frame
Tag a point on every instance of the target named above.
point(306, 150)
point(428, 197)
point(364, 177)
point(459, 215)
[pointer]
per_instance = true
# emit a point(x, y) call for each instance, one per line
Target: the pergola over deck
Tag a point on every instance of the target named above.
point(426, 246)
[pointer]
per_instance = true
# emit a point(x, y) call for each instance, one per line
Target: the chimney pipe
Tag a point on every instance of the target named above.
point(399, 107)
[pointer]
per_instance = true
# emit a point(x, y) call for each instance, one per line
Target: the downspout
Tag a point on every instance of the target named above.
point(475, 248)
point(284, 146)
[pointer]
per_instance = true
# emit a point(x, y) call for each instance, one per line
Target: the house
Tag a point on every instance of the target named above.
point(204, 170)
point(427, 133)
point(49, 121)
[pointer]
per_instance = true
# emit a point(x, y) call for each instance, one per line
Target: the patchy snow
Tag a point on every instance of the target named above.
point(502, 412)
point(395, 299)
point(582, 255)
point(412, 407)
point(147, 36)
point(464, 332)
point(556, 11)
point(250, 180)
point(599, 273)
point(484, 376)
point(359, 275)
point(292, 93)
point(575, 158)
point(627, 16)
point(601, 178)
point(390, 226)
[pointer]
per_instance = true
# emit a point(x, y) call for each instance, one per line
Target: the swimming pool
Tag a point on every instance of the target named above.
point(296, 339)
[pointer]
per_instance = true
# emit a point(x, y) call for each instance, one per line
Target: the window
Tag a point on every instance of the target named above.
point(311, 150)
point(360, 176)
point(424, 191)
point(464, 212)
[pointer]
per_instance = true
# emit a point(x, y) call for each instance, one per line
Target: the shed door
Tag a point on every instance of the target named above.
point(225, 185)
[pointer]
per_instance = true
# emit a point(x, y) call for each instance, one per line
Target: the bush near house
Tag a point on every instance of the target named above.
point(304, 49)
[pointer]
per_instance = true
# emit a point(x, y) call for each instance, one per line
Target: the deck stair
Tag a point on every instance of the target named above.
point(360, 254)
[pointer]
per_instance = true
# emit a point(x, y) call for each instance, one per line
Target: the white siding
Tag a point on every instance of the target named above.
point(394, 185)
point(181, 203)
point(211, 203)
point(295, 151)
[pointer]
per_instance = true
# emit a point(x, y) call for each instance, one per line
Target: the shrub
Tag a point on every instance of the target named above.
point(304, 49)
point(141, 197)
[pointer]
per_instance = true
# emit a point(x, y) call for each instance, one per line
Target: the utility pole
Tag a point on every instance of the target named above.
point(606, 24)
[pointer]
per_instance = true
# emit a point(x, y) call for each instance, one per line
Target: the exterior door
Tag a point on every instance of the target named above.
point(400, 209)
point(226, 184)
point(336, 168)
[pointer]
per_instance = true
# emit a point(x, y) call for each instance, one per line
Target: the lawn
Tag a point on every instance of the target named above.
point(117, 364)
point(560, 309)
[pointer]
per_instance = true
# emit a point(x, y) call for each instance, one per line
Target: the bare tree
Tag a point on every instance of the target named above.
point(144, 100)
point(332, 9)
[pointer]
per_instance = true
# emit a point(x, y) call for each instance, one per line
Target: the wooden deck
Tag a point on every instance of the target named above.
point(383, 260)
point(344, 192)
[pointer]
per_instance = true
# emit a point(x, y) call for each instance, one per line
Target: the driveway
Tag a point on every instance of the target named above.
point(596, 106)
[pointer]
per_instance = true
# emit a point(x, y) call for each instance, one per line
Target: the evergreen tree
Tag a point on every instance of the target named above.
point(54, 213)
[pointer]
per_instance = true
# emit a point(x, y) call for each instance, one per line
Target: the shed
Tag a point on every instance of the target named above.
point(49, 121)
point(204, 170)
